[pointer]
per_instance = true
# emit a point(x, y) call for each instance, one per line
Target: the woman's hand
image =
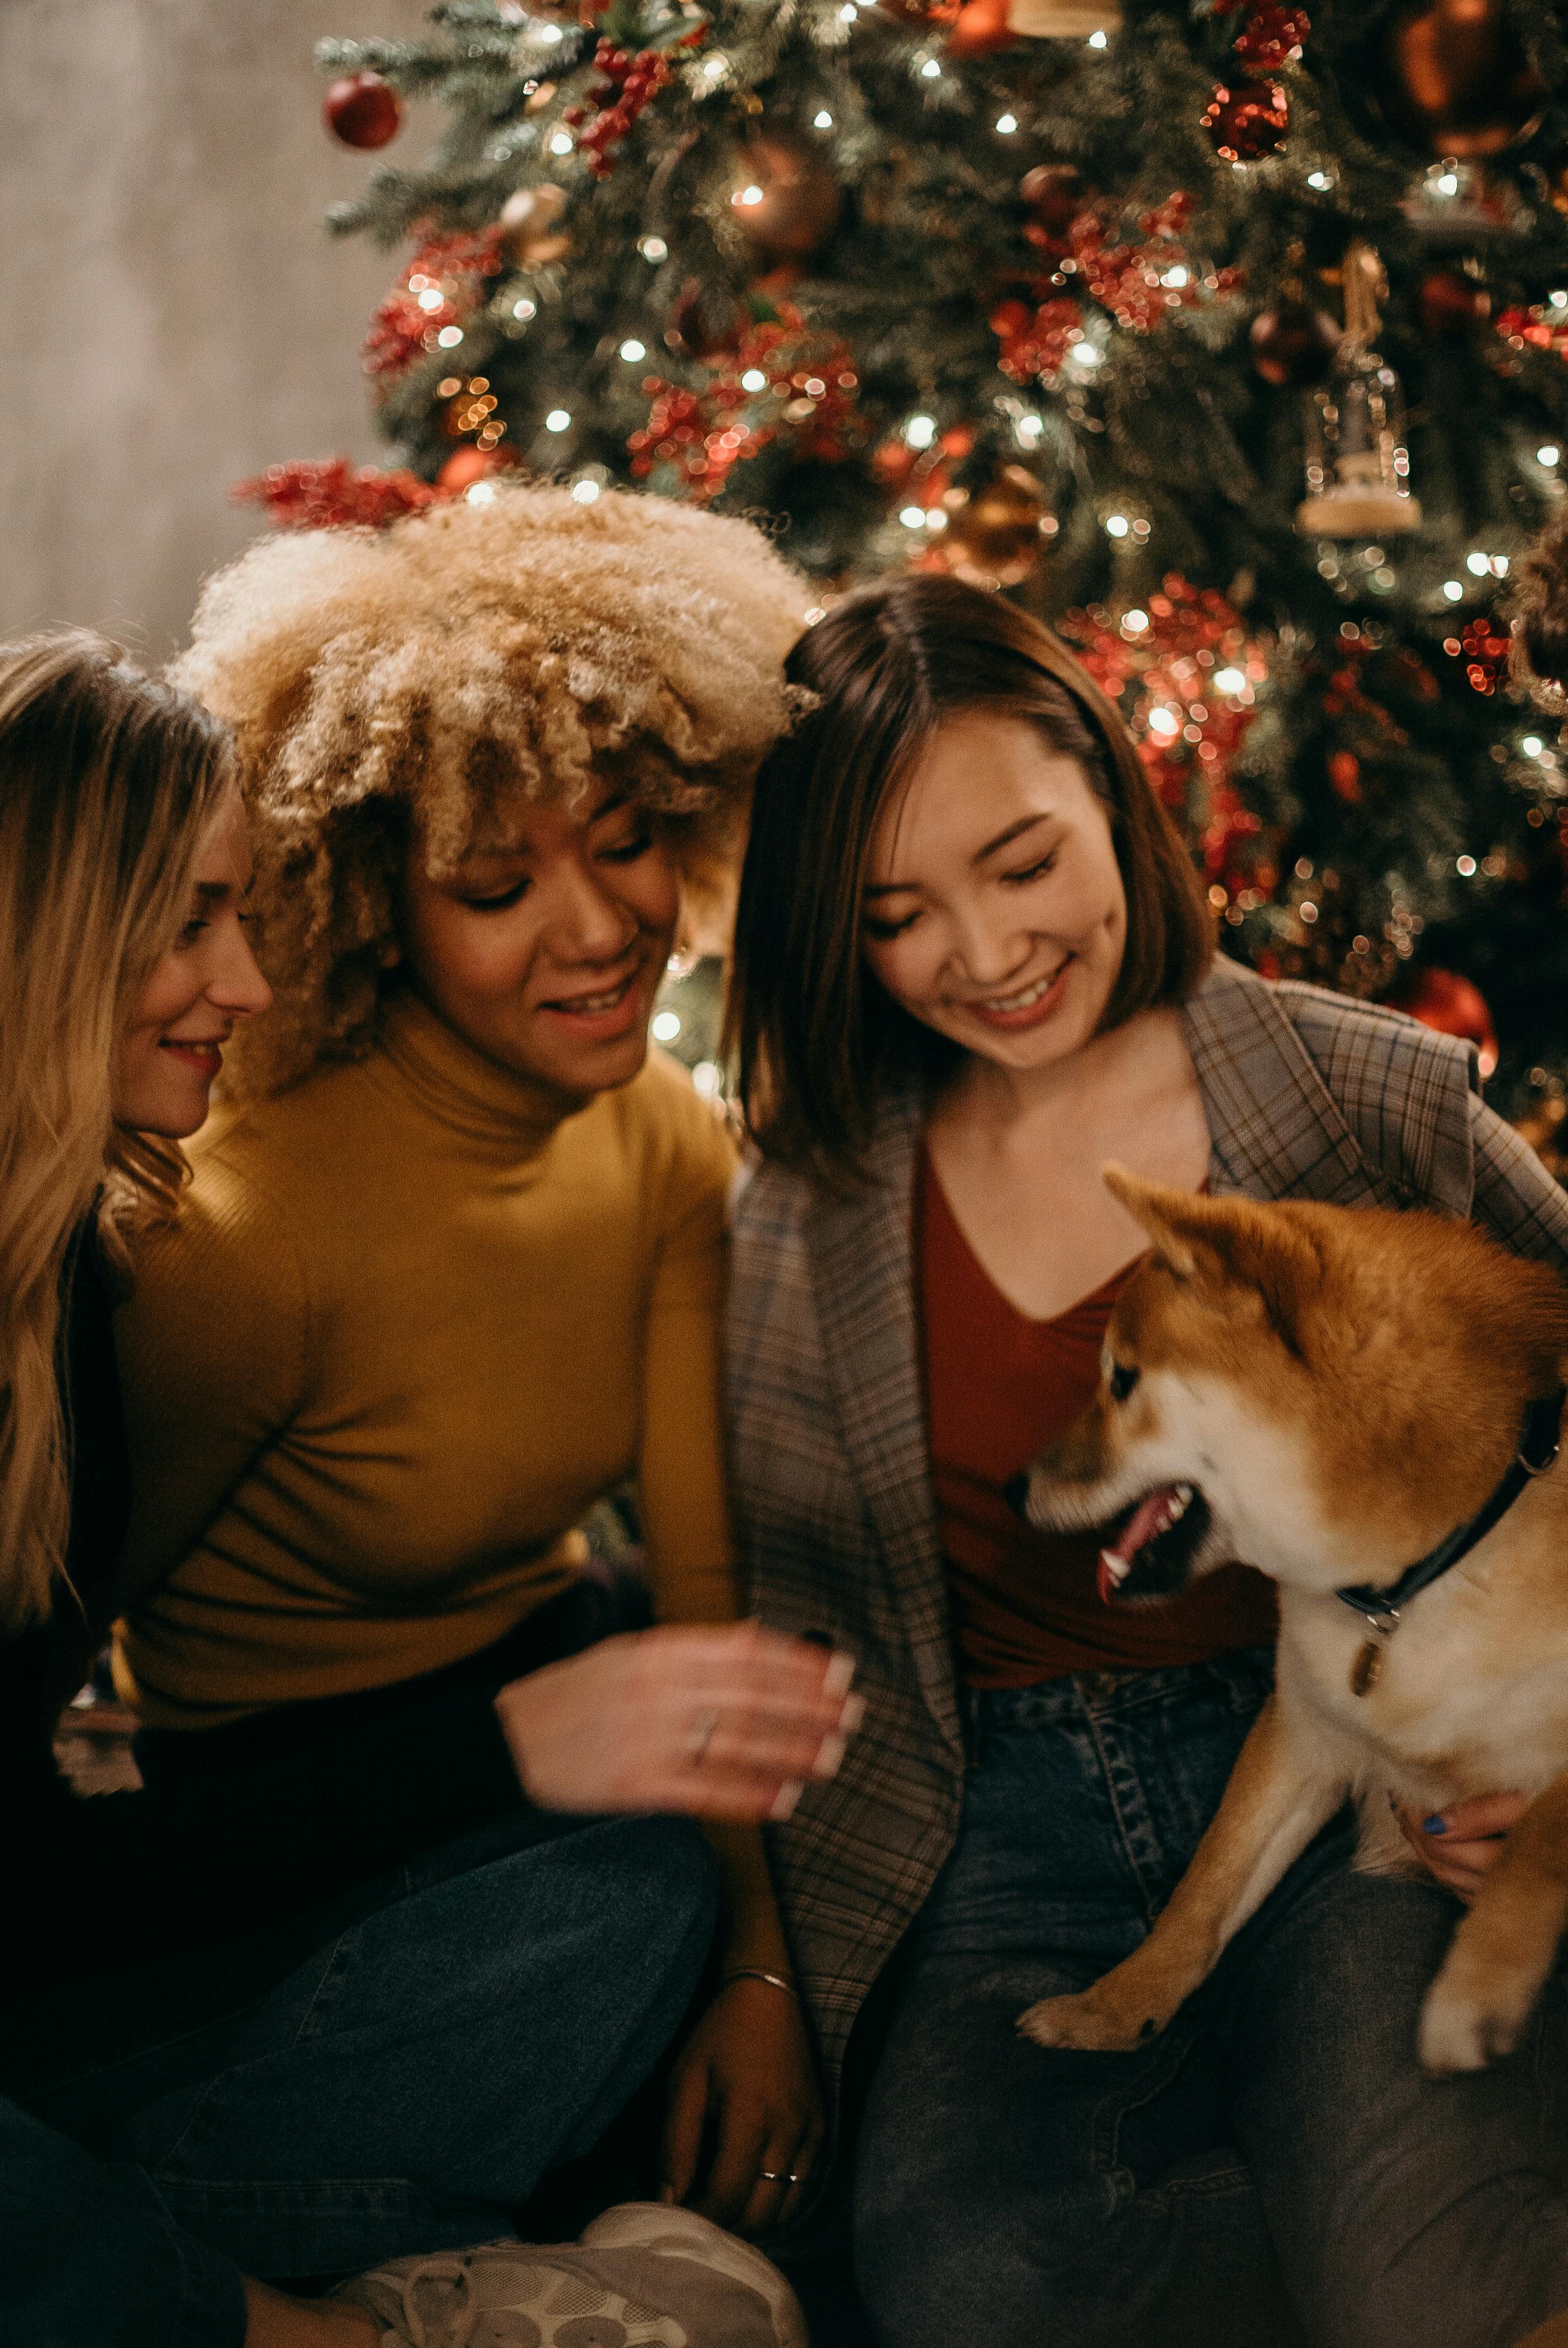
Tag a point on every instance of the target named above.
point(1461, 1845)
point(722, 1723)
point(743, 2099)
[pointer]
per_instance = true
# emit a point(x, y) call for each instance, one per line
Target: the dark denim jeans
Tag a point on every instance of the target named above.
point(462, 2029)
point(1275, 2168)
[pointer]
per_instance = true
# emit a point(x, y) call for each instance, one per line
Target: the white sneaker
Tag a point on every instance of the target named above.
point(642, 2276)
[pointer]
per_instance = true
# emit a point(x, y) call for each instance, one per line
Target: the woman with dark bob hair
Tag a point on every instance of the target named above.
point(973, 963)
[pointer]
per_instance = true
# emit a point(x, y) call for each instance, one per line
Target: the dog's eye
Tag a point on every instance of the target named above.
point(1123, 1380)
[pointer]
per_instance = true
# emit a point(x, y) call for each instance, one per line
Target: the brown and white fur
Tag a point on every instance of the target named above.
point(1338, 1389)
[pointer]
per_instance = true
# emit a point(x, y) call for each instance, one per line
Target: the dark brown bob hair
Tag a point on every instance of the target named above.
point(815, 1042)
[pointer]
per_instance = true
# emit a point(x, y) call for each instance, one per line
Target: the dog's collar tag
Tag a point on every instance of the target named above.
point(1367, 1668)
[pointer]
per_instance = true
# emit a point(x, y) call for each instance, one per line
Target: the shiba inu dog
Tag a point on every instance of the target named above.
point(1364, 1404)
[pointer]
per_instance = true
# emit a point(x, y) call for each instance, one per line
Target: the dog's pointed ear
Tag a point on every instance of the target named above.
point(1249, 1241)
point(1162, 1214)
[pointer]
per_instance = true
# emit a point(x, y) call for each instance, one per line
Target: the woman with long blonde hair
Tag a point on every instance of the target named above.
point(150, 1996)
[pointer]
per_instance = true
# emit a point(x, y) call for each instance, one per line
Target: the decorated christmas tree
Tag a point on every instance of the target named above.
point(1232, 337)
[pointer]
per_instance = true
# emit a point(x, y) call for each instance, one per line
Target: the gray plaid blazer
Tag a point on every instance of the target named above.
point(1307, 1096)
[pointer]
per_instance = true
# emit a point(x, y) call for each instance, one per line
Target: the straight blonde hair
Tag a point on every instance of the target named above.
point(108, 784)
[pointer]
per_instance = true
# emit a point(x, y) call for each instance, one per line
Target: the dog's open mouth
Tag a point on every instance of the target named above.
point(1151, 1552)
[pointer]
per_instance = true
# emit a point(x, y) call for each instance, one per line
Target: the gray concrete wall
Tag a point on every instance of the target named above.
point(172, 315)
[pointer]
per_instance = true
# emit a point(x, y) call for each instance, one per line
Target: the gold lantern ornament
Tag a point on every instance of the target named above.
point(996, 534)
point(1061, 20)
point(1357, 468)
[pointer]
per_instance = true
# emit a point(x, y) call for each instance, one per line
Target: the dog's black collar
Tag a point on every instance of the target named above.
point(1538, 1446)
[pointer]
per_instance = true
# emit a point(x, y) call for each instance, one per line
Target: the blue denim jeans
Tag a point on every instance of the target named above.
point(462, 2029)
point(1275, 2169)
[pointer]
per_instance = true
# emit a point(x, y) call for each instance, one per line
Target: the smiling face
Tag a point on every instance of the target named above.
point(171, 1047)
point(994, 911)
point(544, 946)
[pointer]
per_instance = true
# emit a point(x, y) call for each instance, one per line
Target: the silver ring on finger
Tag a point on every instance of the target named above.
point(699, 1735)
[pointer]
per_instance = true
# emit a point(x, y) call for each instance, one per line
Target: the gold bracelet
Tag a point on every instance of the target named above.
point(755, 1973)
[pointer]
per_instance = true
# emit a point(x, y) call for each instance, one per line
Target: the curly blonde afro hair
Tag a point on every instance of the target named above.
point(393, 686)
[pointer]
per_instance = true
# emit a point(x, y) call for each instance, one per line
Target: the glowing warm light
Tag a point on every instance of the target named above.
point(1230, 680)
point(1478, 564)
point(1117, 525)
point(1087, 354)
point(930, 70)
point(1098, 40)
point(1464, 866)
point(664, 1026)
point(585, 492)
point(707, 1077)
point(1134, 622)
point(1549, 454)
point(449, 337)
point(654, 248)
point(1447, 183)
point(432, 298)
point(1532, 746)
point(912, 517)
point(1006, 124)
point(633, 350)
point(1453, 589)
point(525, 308)
point(1165, 722)
point(752, 195)
point(482, 493)
point(1320, 180)
point(1500, 566)
point(920, 431)
point(822, 121)
point(561, 143)
point(558, 419)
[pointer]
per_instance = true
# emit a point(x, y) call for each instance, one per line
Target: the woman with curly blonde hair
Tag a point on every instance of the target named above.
point(450, 1270)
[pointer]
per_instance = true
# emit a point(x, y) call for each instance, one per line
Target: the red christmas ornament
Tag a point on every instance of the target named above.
point(362, 111)
point(1053, 195)
point(1455, 77)
point(1247, 120)
point(980, 27)
point(1271, 35)
point(1293, 345)
point(1449, 302)
point(1453, 1005)
point(466, 466)
point(1345, 776)
point(786, 202)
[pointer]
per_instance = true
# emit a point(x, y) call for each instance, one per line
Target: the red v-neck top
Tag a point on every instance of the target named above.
point(997, 1387)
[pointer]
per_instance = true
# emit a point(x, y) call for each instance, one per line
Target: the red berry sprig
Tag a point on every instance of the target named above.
point(630, 83)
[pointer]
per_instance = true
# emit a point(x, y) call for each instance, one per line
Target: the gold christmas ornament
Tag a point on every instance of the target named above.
point(529, 224)
point(785, 201)
point(1061, 20)
point(996, 534)
point(1357, 465)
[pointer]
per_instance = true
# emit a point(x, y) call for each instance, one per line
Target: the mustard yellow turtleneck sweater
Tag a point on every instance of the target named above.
point(414, 1318)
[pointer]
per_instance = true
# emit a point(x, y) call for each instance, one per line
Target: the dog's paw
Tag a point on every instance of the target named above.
point(1088, 2022)
point(1464, 2031)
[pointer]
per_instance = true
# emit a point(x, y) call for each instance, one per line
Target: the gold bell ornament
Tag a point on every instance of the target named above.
point(1357, 468)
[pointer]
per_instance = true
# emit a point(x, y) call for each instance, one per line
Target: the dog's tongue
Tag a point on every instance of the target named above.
point(1149, 1518)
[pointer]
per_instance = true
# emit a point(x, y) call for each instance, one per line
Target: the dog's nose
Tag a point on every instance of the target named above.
point(1015, 1492)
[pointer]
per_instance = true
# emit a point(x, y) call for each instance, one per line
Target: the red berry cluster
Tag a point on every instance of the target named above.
point(1036, 338)
point(455, 267)
point(1535, 328)
point(1271, 35)
point(1167, 669)
point(810, 392)
point(1138, 283)
point(328, 493)
point(1485, 653)
point(630, 83)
